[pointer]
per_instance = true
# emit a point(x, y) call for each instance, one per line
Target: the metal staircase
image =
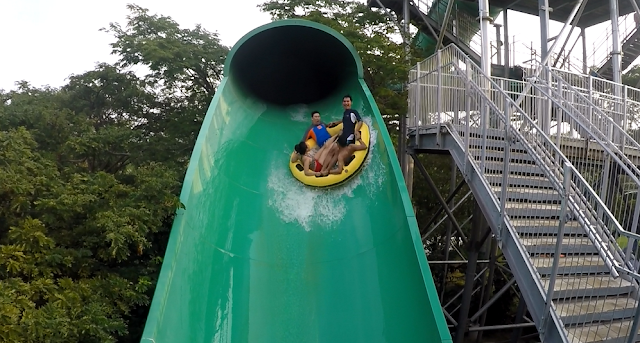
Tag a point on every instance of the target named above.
point(429, 16)
point(572, 259)
point(630, 52)
point(619, 180)
point(461, 27)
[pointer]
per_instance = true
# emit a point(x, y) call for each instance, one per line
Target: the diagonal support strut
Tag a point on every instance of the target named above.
point(442, 201)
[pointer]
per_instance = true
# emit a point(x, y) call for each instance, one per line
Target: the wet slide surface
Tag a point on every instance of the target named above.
point(256, 256)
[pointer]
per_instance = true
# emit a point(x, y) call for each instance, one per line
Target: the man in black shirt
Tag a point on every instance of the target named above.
point(351, 123)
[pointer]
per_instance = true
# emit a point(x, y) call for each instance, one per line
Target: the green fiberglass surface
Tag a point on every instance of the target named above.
point(258, 257)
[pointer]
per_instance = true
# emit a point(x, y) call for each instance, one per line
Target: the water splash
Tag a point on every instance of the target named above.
point(299, 112)
point(314, 208)
point(374, 172)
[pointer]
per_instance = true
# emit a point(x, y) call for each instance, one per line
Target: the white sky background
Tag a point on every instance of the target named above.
point(45, 41)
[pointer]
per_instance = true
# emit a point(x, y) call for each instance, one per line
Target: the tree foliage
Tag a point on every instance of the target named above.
point(184, 69)
point(89, 184)
point(632, 78)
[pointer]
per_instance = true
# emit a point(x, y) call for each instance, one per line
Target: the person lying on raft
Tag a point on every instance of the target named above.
point(346, 152)
point(321, 162)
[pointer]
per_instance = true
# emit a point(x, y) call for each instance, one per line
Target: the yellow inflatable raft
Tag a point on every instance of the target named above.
point(352, 165)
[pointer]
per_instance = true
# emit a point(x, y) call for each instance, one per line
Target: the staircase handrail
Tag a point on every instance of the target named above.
point(602, 116)
point(601, 138)
point(630, 95)
point(616, 225)
point(620, 158)
point(610, 261)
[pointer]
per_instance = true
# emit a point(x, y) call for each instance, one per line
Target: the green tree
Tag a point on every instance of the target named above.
point(90, 178)
point(184, 69)
point(76, 252)
point(632, 78)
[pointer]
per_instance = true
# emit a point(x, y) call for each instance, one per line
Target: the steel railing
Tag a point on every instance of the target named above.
point(620, 102)
point(619, 180)
point(577, 120)
point(603, 44)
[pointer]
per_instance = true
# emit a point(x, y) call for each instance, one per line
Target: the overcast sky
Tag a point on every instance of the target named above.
point(45, 41)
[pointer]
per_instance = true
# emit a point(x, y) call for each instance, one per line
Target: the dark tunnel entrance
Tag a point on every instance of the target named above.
point(292, 64)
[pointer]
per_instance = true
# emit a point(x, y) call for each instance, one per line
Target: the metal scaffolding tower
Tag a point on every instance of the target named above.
point(444, 21)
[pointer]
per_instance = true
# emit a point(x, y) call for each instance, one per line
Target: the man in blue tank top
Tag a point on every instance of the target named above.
point(318, 130)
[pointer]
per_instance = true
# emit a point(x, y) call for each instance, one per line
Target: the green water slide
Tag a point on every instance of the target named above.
point(255, 256)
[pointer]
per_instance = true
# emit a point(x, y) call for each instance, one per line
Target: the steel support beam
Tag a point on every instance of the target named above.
point(452, 190)
point(457, 262)
point(453, 209)
point(402, 143)
point(543, 7)
point(585, 65)
point(409, 165)
point(462, 291)
point(635, 7)
point(573, 26)
point(449, 199)
point(475, 290)
point(503, 327)
point(493, 257)
point(402, 135)
point(507, 59)
point(449, 317)
point(547, 52)
point(544, 114)
point(567, 56)
point(447, 247)
point(443, 25)
point(616, 61)
point(407, 18)
point(434, 188)
point(426, 235)
point(522, 306)
point(478, 224)
point(492, 301)
point(485, 56)
point(498, 44)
